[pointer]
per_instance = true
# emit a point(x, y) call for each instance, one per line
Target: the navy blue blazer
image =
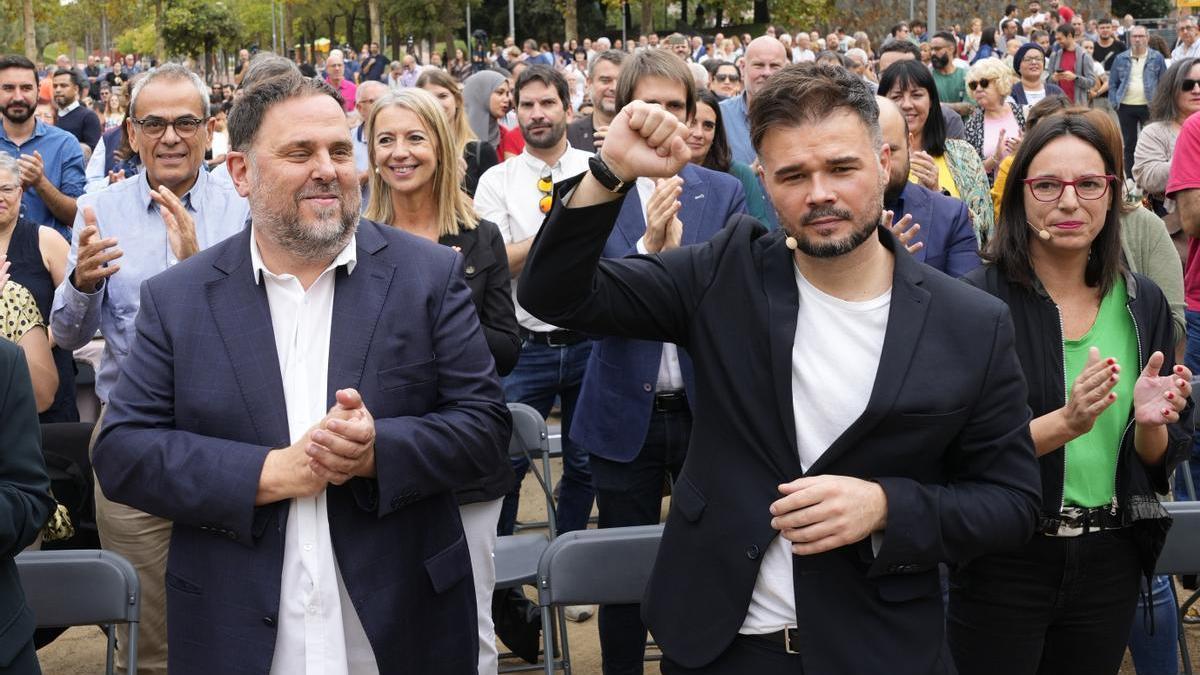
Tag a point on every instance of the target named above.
point(200, 403)
point(946, 230)
point(613, 414)
point(25, 501)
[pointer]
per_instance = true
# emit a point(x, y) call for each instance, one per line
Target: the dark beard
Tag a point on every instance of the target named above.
point(939, 62)
point(556, 133)
point(833, 249)
point(14, 117)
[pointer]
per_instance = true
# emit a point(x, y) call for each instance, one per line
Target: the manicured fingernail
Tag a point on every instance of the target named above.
point(1111, 361)
point(1170, 395)
point(1112, 397)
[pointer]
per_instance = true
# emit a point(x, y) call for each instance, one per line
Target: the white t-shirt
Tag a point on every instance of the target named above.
point(835, 357)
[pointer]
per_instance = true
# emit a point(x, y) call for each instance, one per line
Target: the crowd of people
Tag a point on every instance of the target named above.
point(303, 439)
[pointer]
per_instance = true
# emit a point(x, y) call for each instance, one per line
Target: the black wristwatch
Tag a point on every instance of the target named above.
point(607, 178)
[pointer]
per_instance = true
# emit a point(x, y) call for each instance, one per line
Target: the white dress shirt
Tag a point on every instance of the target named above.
point(835, 357)
point(670, 375)
point(319, 632)
point(508, 195)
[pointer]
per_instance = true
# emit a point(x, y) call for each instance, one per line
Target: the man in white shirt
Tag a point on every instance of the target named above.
point(300, 402)
point(1188, 45)
point(516, 195)
point(845, 442)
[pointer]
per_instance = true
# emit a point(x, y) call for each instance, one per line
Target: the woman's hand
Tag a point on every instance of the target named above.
point(1158, 399)
point(922, 166)
point(1092, 392)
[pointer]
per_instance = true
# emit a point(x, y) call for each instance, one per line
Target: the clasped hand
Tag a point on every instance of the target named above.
point(821, 513)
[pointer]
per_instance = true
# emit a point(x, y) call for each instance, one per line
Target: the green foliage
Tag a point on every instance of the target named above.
point(194, 27)
point(1142, 8)
point(137, 40)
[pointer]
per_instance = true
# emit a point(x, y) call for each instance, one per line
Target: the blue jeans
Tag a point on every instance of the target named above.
point(1156, 653)
point(1191, 359)
point(542, 375)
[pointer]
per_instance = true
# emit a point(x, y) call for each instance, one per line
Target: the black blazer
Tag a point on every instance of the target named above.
point(945, 433)
point(25, 501)
point(485, 266)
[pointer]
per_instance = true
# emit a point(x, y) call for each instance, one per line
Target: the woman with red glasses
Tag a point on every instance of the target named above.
point(1097, 345)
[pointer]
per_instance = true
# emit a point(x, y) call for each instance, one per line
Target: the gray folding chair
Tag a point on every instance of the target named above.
point(517, 555)
point(584, 567)
point(1181, 555)
point(83, 588)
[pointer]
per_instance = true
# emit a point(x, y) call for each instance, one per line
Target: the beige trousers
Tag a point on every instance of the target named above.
point(143, 540)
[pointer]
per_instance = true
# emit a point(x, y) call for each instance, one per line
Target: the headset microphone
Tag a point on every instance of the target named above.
point(1044, 235)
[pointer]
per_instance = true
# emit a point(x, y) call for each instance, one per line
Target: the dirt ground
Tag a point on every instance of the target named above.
point(80, 651)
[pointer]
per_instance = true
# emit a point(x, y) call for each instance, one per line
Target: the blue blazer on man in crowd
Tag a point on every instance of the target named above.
point(615, 404)
point(946, 231)
point(200, 403)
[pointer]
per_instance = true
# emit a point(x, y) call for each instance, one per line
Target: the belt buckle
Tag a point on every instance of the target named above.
point(787, 641)
point(550, 341)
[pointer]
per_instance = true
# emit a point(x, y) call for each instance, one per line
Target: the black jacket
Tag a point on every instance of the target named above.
point(25, 501)
point(1040, 348)
point(485, 265)
point(945, 433)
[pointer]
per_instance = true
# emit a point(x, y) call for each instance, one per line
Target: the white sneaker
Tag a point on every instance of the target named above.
point(579, 613)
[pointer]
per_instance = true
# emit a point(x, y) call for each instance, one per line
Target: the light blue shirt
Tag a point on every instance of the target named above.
point(124, 210)
point(736, 117)
point(62, 164)
point(362, 160)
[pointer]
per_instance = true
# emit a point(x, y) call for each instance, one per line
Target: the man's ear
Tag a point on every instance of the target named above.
point(239, 171)
point(132, 133)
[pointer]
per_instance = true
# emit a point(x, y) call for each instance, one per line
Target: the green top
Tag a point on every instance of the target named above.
point(1091, 464)
point(952, 88)
point(756, 200)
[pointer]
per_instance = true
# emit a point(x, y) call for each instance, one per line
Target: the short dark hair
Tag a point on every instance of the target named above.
point(17, 61)
point(947, 36)
point(803, 93)
point(896, 28)
point(901, 46)
point(918, 22)
point(908, 74)
point(247, 115)
point(76, 78)
point(546, 75)
point(1009, 247)
point(1066, 29)
point(655, 63)
point(719, 157)
point(1010, 8)
point(613, 56)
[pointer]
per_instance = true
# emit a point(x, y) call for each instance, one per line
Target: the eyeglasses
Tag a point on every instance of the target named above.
point(155, 127)
point(727, 77)
point(1034, 59)
point(1189, 85)
point(9, 190)
point(1050, 189)
point(981, 84)
point(545, 185)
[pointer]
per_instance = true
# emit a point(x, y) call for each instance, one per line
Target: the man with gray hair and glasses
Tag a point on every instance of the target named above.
point(123, 235)
point(1187, 46)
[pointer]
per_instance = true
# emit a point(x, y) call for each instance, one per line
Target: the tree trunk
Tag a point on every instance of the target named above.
point(762, 13)
point(373, 13)
point(288, 36)
point(719, 15)
point(570, 20)
point(647, 17)
point(683, 11)
point(331, 23)
point(160, 45)
point(31, 50)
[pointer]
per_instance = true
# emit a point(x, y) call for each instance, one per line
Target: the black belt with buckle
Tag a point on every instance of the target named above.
point(1074, 521)
point(670, 401)
point(780, 640)
point(553, 338)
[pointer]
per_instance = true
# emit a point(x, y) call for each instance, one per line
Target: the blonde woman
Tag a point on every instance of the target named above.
point(414, 187)
point(995, 127)
point(478, 156)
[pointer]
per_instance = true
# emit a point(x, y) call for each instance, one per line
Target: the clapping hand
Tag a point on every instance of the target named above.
point(663, 228)
point(904, 229)
point(343, 445)
point(924, 169)
point(1158, 399)
point(1092, 392)
point(4, 264)
point(31, 169)
point(94, 255)
point(181, 228)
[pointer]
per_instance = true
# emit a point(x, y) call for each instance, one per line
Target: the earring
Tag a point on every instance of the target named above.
point(791, 242)
point(376, 169)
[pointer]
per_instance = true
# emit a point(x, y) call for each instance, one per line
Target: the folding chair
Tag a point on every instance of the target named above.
point(517, 555)
point(608, 567)
point(82, 588)
point(86, 401)
point(1181, 555)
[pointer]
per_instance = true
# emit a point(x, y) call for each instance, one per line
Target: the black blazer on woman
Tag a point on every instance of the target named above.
point(485, 265)
point(25, 501)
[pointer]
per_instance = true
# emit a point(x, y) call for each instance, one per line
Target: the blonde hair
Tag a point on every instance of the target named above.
point(993, 69)
point(459, 126)
point(454, 210)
